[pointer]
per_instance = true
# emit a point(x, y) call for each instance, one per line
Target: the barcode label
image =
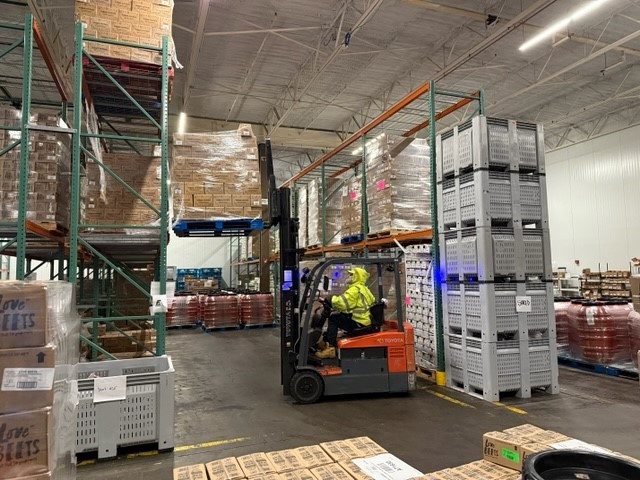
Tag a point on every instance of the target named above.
point(27, 385)
point(21, 379)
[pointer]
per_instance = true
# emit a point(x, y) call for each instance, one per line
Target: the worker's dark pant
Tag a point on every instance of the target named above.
point(339, 321)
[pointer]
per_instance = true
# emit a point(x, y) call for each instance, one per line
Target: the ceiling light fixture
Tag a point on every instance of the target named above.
point(560, 24)
point(182, 122)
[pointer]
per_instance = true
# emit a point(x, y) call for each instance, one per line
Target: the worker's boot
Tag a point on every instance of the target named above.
point(321, 345)
point(329, 352)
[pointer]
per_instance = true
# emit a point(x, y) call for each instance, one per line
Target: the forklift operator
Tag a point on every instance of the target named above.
point(351, 310)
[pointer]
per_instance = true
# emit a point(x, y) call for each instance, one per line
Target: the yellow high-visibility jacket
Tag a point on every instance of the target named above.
point(356, 299)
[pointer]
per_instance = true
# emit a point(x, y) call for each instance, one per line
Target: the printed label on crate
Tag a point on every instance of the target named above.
point(108, 389)
point(523, 304)
point(26, 379)
point(591, 312)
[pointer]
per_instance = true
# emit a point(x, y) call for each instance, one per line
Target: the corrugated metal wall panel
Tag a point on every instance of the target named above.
point(594, 195)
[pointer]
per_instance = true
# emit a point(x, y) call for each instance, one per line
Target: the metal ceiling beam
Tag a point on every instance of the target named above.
point(566, 69)
point(266, 30)
point(482, 17)
point(196, 45)
point(291, 96)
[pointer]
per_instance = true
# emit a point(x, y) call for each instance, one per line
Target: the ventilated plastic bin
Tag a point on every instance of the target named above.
point(485, 142)
point(486, 310)
point(146, 416)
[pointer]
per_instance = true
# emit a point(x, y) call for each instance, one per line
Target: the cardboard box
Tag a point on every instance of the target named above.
point(354, 470)
point(333, 471)
point(26, 379)
point(313, 456)
point(340, 450)
point(486, 470)
point(297, 475)
point(25, 443)
point(365, 446)
point(256, 464)
point(502, 449)
point(225, 469)
point(286, 460)
point(634, 282)
point(23, 315)
point(191, 472)
point(266, 476)
point(446, 474)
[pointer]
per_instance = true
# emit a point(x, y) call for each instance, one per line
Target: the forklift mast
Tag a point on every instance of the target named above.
point(280, 215)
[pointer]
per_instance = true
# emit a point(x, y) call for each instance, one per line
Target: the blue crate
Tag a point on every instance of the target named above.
point(180, 286)
point(209, 272)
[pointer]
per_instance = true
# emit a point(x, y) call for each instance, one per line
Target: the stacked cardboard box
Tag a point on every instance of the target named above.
point(398, 187)
point(327, 461)
point(38, 350)
point(108, 202)
point(141, 22)
point(332, 215)
point(141, 341)
point(48, 185)
point(634, 285)
point(303, 217)
point(351, 218)
point(216, 175)
point(612, 283)
point(505, 452)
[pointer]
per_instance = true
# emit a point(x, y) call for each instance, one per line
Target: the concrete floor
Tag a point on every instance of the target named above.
point(228, 397)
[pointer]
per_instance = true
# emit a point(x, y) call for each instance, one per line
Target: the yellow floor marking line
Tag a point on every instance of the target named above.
point(513, 409)
point(181, 448)
point(210, 444)
point(450, 399)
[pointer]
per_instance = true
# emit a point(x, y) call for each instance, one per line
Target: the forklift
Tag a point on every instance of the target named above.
point(374, 359)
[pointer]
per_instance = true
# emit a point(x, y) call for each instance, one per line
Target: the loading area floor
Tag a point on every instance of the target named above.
point(229, 402)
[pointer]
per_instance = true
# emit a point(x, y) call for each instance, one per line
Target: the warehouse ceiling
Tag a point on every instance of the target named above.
point(307, 73)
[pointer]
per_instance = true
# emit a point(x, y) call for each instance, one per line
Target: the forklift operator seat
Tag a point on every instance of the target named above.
point(376, 311)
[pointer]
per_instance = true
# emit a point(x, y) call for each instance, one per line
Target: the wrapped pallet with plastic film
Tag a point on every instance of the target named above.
point(332, 212)
point(302, 217)
point(38, 398)
point(48, 185)
point(216, 175)
point(351, 215)
point(398, 187)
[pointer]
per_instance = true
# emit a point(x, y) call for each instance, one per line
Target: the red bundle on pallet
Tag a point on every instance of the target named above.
point(256, 309)
point(634, 336)
point(220, 311)
point(183, 310)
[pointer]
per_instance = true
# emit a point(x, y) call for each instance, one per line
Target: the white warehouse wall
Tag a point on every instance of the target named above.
point(194, 252)
point(593, 193)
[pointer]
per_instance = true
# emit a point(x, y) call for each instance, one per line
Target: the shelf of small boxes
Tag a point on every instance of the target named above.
point(612, 283)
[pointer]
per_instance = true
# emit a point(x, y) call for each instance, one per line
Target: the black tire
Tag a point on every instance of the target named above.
point(306, 387)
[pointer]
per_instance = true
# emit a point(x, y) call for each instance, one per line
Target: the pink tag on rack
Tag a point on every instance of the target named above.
point(380, 184)
point(352, 195)
point(407, 300)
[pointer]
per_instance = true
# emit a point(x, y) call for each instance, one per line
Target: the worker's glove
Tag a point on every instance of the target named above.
point(326, 301)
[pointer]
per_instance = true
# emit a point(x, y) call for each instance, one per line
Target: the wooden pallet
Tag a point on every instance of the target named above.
point(426, 373)
point(386, 233)
point(54, 228)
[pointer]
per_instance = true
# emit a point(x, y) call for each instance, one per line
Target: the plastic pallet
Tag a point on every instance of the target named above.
point(259, 325)
point(352, 238)
point(217, 228)
point(220, 329)
point(189, 326)
point(603, 369)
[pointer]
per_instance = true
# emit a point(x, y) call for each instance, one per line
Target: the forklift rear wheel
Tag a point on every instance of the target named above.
point(306, 387)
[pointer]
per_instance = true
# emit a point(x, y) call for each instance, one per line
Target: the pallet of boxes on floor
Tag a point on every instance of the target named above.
point(39, 339)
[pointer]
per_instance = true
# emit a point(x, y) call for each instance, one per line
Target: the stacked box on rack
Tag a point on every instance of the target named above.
point(303, 217)
point(216, 175)
point(141, 22)
point(48, 181)
point(495, 259)
point(108, 202)
point(420, 304)
point(398, 186)
point(332, 207)
point(351, 218)
point(38, 357)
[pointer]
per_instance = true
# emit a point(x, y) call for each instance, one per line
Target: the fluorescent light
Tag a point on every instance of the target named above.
point(182, 122)
point(560, 24)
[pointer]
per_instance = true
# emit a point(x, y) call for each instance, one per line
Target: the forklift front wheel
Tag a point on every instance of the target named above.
point(306, 387)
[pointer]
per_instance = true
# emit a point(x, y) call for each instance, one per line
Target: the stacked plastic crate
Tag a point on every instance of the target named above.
point(495, 262)
point(419, 302)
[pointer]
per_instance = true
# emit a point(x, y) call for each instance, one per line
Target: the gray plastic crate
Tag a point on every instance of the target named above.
point(487, 253)
point(485, 310)
point(484, 142)
point(145, 416)
point(483, 198)
point(487, 369)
